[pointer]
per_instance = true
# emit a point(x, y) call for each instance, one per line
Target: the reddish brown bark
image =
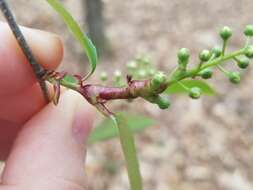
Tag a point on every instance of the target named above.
point(136, 88)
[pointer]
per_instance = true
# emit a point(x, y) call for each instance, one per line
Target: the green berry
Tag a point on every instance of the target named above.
point(139, 57)
point(103, 76)
point(158, 79)
point(143, 59)
point(142, 73)
point(195, 93)
point(248, 30)
point(131, 65)
point(183, 55)
point(243, 63)
point(117, 75)
point(146, 60)
point(249, 52)
point(151, 72)
point(217, 51)
point(206, 73)
point(225, 33)
point(204, 55)
point(163, 102)
point(234, 77)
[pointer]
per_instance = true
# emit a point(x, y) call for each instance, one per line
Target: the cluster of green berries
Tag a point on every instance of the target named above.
point(161, 100)
point(117, 78)
point(242, 62)
point(142, 68)
point(139, 68)
point(206, 56)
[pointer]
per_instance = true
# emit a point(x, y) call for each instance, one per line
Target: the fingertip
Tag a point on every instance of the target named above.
point(16, 74)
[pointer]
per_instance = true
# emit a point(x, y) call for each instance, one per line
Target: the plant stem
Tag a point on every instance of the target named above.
point(224, 58)
point(216, 62)
point(223, 70)
point(96, 94)
point(37, 68)
point(225, 42)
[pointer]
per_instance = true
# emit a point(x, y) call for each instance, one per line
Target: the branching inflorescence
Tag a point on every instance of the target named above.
point(152, 88)
point(146, 83)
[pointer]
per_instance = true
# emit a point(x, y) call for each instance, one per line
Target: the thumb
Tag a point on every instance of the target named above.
point(49, 153)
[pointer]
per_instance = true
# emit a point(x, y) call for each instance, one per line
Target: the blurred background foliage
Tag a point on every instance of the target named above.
point(195, 145)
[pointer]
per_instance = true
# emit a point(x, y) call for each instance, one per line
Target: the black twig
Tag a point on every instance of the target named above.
point(39, 71)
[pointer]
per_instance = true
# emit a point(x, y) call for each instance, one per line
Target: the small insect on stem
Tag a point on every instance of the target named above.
point(37, 68)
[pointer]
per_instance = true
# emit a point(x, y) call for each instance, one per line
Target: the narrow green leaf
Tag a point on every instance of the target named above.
point(177, 88)
point(86, 43)
point(70, 79)
point(129, 150)
point(106, 129)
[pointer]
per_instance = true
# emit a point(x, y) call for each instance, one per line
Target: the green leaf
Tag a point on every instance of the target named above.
point(70, 79)
point(106, 129)
point(86, 43)
point(129, 151)
point(177, 88)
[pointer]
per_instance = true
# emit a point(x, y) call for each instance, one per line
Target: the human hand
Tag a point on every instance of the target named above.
point(48, 152)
